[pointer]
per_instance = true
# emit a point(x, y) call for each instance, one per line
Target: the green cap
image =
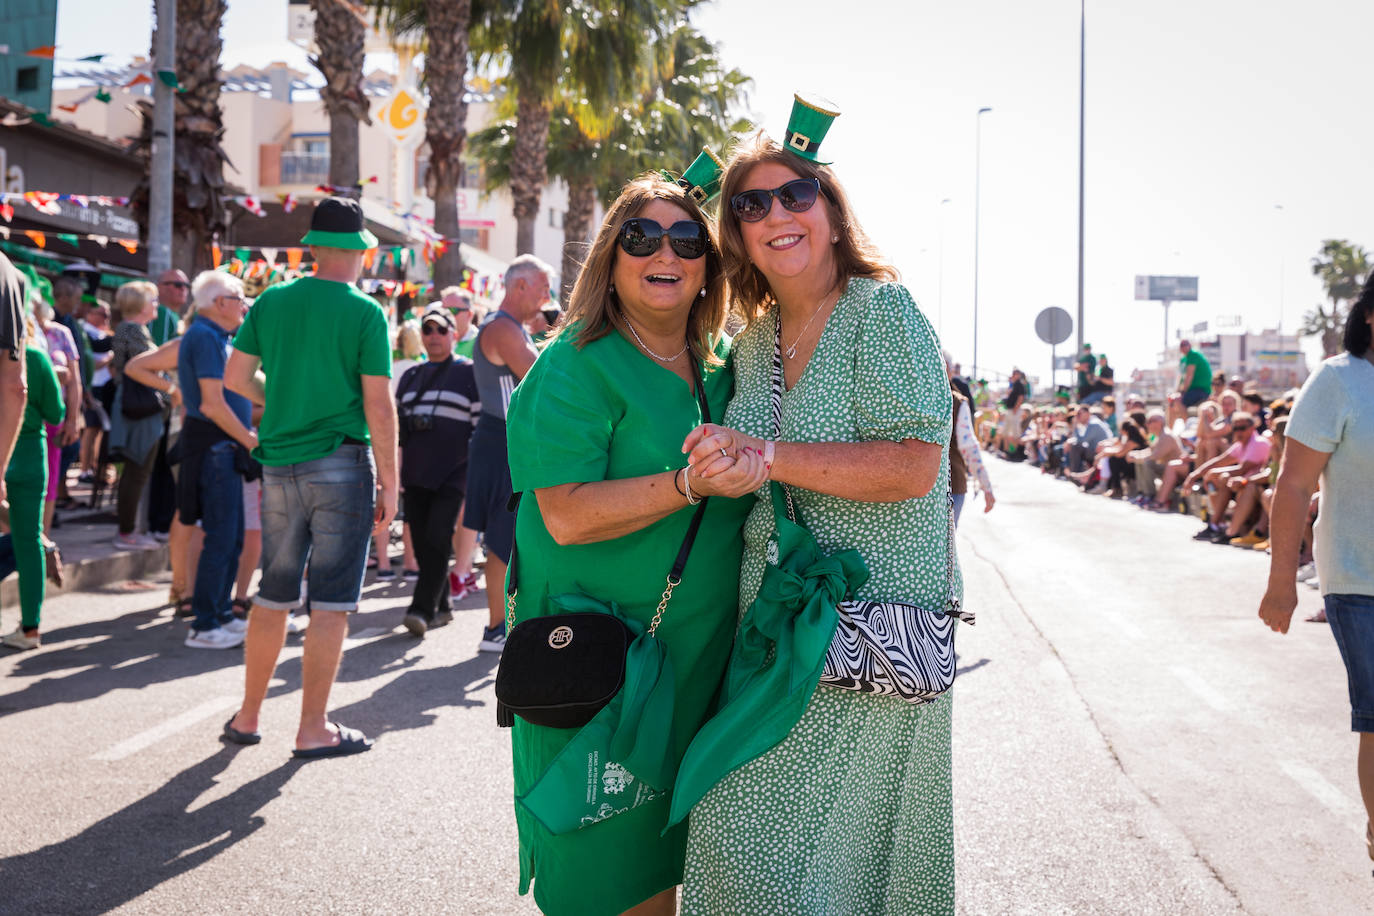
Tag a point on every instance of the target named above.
point(806, 128)
point(702, 178)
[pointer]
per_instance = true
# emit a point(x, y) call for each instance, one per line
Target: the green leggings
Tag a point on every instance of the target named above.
point(26, 482)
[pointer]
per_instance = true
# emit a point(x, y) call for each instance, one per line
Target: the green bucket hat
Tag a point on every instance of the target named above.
point(702, 179)
point(338, 223)
point(806, 128)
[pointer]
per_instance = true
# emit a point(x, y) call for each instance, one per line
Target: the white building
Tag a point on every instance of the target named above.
point(1270, 361)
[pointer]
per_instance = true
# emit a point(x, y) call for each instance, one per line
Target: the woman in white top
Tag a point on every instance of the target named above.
point(1331, 441)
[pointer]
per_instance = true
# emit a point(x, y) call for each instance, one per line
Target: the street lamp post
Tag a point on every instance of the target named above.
point(977, 217)
point(1282, 213)
point(1082, 97)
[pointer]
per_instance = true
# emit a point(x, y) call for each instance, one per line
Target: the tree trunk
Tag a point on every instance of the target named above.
point(340, 35)
point(446, 67)
point(577, 229)
point(199, 127)
point(528, 168)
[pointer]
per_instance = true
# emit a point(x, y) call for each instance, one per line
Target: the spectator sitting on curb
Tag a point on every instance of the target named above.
point(1089, 433)
point(1244, 459)
point(1257, 495)
point(1151, 462)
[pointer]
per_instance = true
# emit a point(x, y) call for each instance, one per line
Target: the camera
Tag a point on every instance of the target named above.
point(413, 423)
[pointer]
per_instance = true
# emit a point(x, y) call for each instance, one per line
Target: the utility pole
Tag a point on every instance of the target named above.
point(1082, 108)
point(977, 217)
point(164, 129)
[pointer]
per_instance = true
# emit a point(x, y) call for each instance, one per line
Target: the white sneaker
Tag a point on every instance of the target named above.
point(160, 536)
point(296, 624)
point(218, 638)
point(1307, 571)
point(133, 541)
point(236, 626)
point(1312, 583)
point(17, 640)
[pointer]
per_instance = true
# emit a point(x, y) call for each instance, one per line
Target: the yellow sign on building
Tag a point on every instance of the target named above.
point(401, 115)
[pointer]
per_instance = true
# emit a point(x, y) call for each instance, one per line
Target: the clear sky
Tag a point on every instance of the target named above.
point(1202, 117)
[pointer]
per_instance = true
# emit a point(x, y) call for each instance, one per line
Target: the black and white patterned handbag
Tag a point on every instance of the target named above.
point(887, 648)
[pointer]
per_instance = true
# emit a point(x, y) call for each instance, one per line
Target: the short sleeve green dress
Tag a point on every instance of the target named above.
point(852, 812)
point(606, 411)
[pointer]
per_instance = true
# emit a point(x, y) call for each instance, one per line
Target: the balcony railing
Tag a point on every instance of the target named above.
point(304, 168)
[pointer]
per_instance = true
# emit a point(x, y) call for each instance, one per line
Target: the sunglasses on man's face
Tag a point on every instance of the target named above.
point(641, 237)
point(177, 283)
point(429, 329)
point(797, 196)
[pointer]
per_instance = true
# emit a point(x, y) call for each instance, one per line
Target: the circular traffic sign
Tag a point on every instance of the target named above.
point(1053, 325)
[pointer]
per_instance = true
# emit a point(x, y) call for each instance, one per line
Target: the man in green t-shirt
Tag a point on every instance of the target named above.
point(173, 292)
point(1087, 370)
point(459, 304)
point(328, 420)
point(1194, 375)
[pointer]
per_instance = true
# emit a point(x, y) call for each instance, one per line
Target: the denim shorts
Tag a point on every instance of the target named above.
point(1352, 623)
point(320, 511)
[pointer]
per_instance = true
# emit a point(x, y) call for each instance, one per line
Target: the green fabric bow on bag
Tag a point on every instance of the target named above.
point(625, 756)
point(777, 659)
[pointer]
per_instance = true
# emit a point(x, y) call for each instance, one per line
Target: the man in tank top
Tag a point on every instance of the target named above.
point(502, 355)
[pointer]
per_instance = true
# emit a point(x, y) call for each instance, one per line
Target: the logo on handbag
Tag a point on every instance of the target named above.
point(560, 637)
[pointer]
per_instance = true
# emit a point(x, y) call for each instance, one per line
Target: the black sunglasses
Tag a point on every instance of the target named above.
point(641, 237)
point(434, 329)
point(798, 195)
point(179, 284)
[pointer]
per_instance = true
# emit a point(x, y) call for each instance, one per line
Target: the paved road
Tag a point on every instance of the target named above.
point(1129, 739)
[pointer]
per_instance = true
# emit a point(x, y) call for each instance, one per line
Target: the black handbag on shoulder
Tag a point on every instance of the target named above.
point(140, 401)
point(560, 670)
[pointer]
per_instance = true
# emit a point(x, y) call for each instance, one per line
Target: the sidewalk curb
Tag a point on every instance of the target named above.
point(91, 573)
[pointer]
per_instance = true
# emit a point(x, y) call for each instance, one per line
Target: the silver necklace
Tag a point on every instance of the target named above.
point(792, 350)
point(645, 347)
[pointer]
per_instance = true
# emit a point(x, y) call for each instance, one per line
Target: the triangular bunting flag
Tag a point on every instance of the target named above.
point(293, 257)
point(369, 256)
point(45, 51)
point(37, 237)
point(216, 255)
point(129, 245)
point(101, 240)
point(270, 255)
point(6, 211)
point(69, 108)
point(102, 96)
point(139, 80)
point(70, 238)
point(91, 58)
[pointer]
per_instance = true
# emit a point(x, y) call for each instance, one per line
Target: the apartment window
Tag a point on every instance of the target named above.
point(26, 79)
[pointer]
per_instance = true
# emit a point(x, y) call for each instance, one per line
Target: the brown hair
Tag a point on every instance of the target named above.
point(855, 254)
point(593, 303)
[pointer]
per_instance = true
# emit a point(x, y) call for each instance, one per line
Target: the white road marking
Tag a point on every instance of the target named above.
point(369, 632)
point(147, 738)
point(1316, 785)
point(1205, 691)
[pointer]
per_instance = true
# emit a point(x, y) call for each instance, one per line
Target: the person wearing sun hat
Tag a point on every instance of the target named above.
point(804, 797)
point(327, 443)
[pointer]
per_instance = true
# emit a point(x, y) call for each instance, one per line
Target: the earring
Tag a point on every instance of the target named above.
point(834, 240)
point(702, 294)
point(612, 289)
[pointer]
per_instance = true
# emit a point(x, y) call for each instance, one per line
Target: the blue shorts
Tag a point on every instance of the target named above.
point(1195, 396)
point(319, 511)
point(487, 508)
point(1352, 623)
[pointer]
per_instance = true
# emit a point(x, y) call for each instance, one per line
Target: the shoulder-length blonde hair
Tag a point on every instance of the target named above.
point(855, 254)
point(133, 297)
point(593, 304)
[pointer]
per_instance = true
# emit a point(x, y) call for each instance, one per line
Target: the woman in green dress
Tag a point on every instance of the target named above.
point(26, 482)
point(595, 432)
point(851, 811)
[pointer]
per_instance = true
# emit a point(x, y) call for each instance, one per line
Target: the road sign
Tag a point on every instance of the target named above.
point(1053, 325)
point(1065, 362)
point(1166, 289)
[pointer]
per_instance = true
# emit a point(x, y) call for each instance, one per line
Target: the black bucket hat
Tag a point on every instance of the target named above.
point(338, 223)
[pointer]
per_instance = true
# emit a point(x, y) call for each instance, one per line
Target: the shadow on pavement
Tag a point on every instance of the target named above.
point(408, 702)
point(141, 846)
point(145, 645)
point(958, 672)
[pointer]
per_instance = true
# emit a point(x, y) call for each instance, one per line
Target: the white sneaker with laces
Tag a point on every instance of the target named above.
point(296, 624)
point(218, 638)
point(1307, 571)
point(17, 640)
point(237, 625)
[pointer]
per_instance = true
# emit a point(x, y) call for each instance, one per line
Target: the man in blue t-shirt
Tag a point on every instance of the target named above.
point(218, 426)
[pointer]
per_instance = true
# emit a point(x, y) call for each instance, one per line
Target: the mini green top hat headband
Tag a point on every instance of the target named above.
point(701, 181)
point(806, 128)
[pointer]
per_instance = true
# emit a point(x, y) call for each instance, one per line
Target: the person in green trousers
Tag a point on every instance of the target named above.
point(26, 481)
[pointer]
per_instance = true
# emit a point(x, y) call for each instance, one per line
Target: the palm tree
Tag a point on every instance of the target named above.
point(691, 104)
point(1343, 269)
point(198, 210)
point(340, 33)
point(597, 50)
point(444, 25)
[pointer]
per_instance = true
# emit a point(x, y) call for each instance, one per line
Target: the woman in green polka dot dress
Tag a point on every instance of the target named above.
point(851, 813)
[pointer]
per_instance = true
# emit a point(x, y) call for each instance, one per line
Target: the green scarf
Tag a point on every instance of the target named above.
point(777, 659)
point(625, 756)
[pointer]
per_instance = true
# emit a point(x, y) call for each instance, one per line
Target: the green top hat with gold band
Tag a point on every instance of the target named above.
point(806, 128)
point(702, 179)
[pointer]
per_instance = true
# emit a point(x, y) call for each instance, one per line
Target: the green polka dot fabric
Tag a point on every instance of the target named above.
point(852, 813)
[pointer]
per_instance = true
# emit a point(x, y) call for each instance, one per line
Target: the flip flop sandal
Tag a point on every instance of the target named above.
point(234, 736)
point(351, 741)
point(184, 608)
point(242, 604)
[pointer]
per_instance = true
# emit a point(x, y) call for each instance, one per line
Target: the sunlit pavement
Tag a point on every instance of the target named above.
point(1128, 739)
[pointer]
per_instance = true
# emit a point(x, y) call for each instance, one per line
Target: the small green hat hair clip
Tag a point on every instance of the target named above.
point(702, 179)
point(806, 128)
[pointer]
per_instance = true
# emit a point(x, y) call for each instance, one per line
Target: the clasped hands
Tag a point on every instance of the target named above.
point(723, 461)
